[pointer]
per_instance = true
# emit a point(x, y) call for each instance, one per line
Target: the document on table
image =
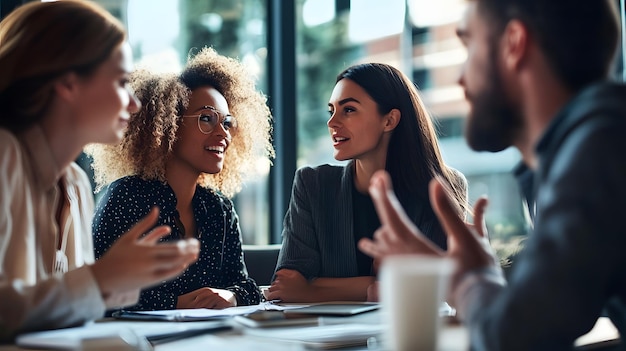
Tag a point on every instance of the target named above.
point(187, 315)
point(202, 314)
point(323, 337)
point(137, 335)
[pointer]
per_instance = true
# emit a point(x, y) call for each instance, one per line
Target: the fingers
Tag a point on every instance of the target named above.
point(369, 248)
point(388, 207)
point(142, 226)
point(273, 295)
point(372, 292)
point(155, 234)
point(209, 299)
point(169, 250)
point(179, 260)
point(274, 291)
point(479, 216)
point(171, 258)
point(204, 298)
point(447, 212)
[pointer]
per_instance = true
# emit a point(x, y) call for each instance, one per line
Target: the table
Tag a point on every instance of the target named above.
point(453, 337)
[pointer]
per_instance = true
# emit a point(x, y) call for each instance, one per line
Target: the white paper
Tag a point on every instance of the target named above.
point(72, 338)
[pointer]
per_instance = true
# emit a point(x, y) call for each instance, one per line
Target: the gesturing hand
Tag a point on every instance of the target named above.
point(467, 243)
point(135, 262)
point(397, 234)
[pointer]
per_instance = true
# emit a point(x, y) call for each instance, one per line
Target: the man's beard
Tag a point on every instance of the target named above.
point(493, 122)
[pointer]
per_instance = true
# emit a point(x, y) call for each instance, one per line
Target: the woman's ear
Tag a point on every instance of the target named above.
point(392, 118)
point(66, 86)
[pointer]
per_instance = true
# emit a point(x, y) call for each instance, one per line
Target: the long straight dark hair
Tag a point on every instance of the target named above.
point(413, 157)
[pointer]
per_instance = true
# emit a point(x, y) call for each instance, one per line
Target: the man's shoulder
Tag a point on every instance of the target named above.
point(599, 104)
point(601, 125)
point(597, 116)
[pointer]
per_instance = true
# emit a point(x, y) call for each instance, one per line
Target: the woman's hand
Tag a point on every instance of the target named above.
point(372, 292)
point(289, 286)
point(136, 262)
point(292, 286)
point(207, 298)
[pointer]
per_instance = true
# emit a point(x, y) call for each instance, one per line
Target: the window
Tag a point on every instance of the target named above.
point(421, 41)
point(161, 38)
point(417, 36)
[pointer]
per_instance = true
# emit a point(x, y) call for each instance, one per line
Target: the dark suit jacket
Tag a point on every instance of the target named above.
point(318, 235)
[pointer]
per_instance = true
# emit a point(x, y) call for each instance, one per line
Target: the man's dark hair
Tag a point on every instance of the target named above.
point(578, 37)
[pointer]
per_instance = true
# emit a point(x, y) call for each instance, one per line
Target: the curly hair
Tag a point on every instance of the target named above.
point(151, 133)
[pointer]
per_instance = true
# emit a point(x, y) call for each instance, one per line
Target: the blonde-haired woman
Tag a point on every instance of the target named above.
point(187, 151)
point(59, 92)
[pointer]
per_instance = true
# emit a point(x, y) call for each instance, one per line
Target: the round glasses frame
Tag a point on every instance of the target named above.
point(210, 117)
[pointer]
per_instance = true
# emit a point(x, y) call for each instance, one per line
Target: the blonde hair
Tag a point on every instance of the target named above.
point(151, 132)
point(41, 41)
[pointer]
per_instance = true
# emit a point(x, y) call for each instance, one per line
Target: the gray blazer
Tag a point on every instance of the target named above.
point(318, 238)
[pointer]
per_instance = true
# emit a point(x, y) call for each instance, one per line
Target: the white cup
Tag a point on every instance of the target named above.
point(412, 289)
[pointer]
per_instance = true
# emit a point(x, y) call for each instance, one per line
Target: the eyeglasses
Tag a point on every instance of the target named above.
point(210, 117)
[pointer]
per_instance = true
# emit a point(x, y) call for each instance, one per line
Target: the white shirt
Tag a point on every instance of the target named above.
point(32, 296)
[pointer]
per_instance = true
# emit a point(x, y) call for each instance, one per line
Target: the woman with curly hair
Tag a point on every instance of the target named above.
point(187, 151)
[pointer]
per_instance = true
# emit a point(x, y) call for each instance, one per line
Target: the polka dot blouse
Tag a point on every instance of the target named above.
point(220, 264)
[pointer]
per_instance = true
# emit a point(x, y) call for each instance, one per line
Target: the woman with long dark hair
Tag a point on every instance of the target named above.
point(377, 121)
